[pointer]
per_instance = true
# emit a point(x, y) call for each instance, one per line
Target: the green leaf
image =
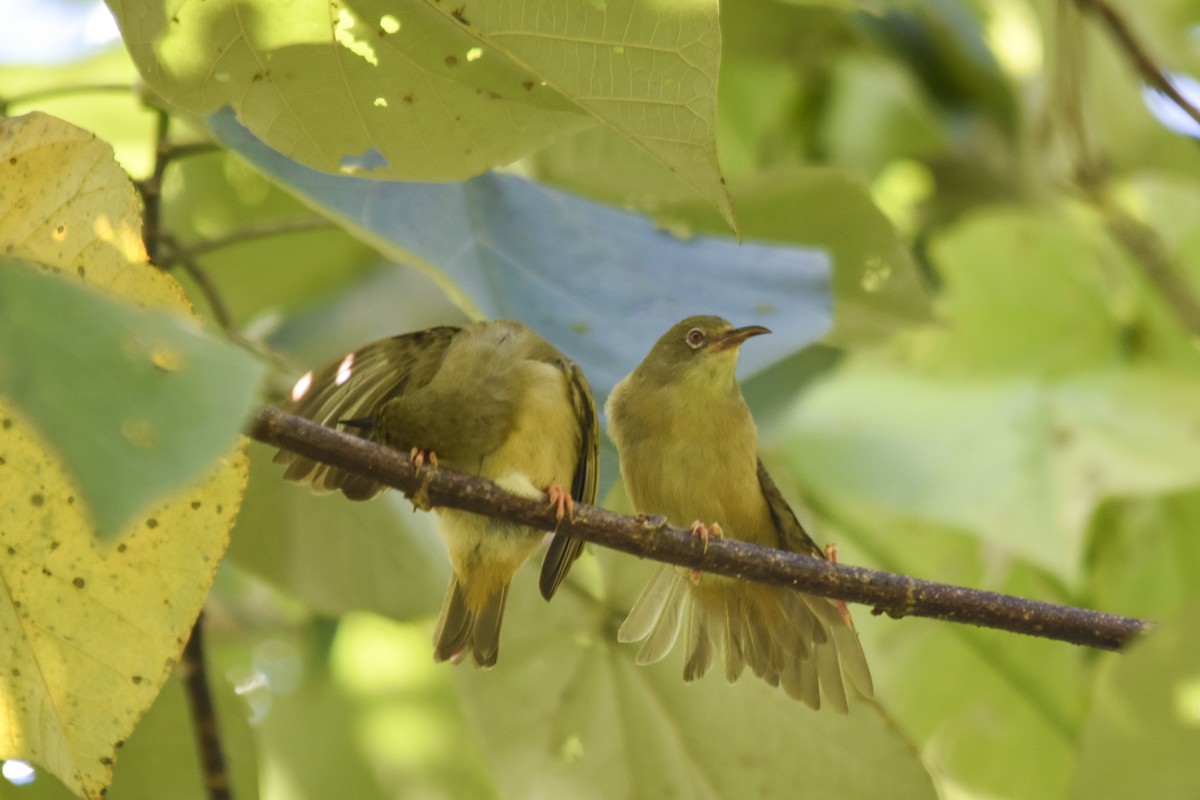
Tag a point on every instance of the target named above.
point(593, 724)
point(877, 289)
point(1028, 293)
point(335, 555)
point(1145, 555)
point(161, 759)
point(435, 91)
point(406, 712)
point(1143, 730)
point(1021, 462)
point(138, 401)
point(876, 113)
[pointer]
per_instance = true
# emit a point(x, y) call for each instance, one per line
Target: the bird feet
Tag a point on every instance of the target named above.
point(831, 557)
point(419, 457)
point(564, 504)
point(420, 496)
point(704, 532)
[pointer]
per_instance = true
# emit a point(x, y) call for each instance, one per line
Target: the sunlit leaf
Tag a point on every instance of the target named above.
point(93, 626)
point(435, 91)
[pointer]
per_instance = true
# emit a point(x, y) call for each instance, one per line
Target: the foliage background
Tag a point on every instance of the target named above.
point(1006, 399)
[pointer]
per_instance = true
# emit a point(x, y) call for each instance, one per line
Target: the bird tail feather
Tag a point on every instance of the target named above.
point(797, 641)
point(461, 630)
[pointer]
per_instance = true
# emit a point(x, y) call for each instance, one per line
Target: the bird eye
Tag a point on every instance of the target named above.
point(695, 338)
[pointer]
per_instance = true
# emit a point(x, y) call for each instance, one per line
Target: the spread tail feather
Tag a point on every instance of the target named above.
point(459, 630)
point(797, 641)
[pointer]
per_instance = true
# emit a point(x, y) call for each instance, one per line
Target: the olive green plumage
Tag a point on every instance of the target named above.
point(689, 451)
point(492, 399)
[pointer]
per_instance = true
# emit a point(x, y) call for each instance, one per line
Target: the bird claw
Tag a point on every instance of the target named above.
point(419, 457)
point(704, 532)
point(564, 504)
point(831, 556)
point(420, 496)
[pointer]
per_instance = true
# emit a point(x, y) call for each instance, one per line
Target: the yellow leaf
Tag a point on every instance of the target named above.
point(90, 628)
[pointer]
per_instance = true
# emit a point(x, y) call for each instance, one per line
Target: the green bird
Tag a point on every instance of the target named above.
point(491, 399)
point(689, 451)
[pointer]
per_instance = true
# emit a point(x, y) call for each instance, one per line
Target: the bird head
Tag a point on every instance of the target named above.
point(698, 347)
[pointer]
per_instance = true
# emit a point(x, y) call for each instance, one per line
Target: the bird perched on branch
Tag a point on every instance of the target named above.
point(689, 451)
point(491, 399)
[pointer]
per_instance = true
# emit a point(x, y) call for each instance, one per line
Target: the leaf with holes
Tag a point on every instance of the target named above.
point(91, 627)
point(437, 91)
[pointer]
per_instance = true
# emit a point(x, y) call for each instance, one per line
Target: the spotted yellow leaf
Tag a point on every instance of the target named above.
point(90, 627)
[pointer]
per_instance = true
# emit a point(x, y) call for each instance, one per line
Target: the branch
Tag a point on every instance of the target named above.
point(651, 537)
point(204, 715)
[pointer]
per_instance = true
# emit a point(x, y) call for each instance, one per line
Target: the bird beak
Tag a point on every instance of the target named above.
point(735, 337)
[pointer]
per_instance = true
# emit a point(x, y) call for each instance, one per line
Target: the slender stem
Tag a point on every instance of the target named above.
point(888, 593)
point(1151, 73)
point(248, 234)
point(177, 255)
point(151, 188)
point(204, 715)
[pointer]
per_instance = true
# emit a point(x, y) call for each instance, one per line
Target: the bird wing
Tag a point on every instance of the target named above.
point(564, 550)
point(351, 389)
point(791, 532)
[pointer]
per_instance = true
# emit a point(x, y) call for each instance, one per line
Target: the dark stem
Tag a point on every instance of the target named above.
point(1151, 73)
point(250, 233)
point(151, 188)
point(174, 254)
point(888, 593)
point(204, 715)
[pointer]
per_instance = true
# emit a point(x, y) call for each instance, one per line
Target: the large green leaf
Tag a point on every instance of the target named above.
point(600, 283)
point(590, 723)
point(1145, 555)
point(1019, 461)
point(161, 759)
point(335, 555)
point(138, 401)
point(424, 90)
point(1143, 730)
point(1030, 406)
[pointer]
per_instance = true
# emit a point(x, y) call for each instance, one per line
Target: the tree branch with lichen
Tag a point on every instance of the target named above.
point(651, 537)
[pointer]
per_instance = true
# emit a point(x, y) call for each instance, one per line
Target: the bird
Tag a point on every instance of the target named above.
point(688, 451)
point(492, 399)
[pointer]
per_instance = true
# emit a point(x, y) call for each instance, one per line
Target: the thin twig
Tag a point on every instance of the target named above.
point(204, 715)
point(151, 188)
point(174, 254)
point(888, 593)
point(1151, 73)
point(248, 234)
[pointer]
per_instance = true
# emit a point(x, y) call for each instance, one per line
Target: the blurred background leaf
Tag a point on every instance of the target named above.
point(974, 380)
